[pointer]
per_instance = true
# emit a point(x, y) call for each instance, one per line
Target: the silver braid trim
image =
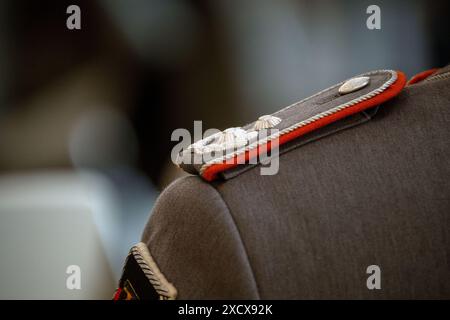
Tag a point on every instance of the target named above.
point(164, 288)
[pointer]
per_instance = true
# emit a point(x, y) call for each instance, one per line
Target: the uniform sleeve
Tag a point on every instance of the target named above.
point(194, 241)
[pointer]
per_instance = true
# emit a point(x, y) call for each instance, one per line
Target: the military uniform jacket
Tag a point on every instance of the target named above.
point(364, 184)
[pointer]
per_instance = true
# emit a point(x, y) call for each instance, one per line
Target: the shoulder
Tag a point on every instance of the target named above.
point(188, 201)
point(193, 239)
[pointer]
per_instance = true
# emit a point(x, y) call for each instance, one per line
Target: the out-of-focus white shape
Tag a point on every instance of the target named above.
point(51, 220)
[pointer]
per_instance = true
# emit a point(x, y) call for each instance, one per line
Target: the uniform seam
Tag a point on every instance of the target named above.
point(241, 240)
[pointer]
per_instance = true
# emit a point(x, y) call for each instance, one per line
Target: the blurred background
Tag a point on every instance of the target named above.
point(86, 115)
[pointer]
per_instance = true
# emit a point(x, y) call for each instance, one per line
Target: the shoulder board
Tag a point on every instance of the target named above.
point(234, 147)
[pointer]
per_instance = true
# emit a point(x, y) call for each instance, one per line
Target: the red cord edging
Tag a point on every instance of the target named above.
point(421, 76)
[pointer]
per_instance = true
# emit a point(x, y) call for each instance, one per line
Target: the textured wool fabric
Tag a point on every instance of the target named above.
point(374, 194)
point(194, 241)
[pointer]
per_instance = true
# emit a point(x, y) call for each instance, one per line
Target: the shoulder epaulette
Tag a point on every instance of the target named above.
point(237, 146)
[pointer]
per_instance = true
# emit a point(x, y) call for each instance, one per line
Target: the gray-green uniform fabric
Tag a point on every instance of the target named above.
point(376, 193)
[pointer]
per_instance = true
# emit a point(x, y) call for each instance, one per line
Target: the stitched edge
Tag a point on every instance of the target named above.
point(143, 257)
point(312, 119)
